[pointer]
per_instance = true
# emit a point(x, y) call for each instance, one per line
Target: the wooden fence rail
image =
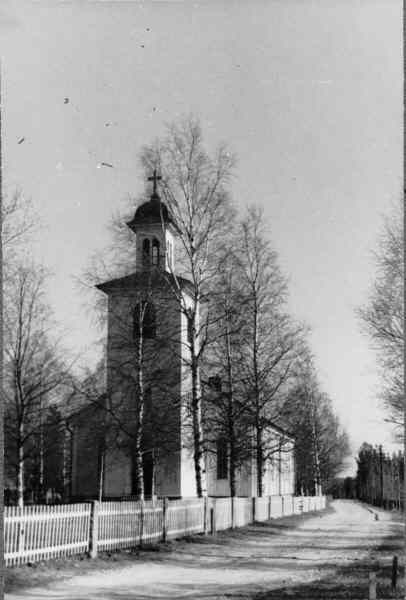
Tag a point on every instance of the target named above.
point(35, 533)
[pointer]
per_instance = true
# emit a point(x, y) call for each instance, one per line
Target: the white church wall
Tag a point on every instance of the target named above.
point(278, 477)
point(215, 486)
point(188, 479)
point(287, 470)
point(271, 479)
point(245, 480)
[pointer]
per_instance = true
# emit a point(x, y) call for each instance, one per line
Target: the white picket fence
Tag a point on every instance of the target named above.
point(41, 532)
point(185, 517)
point(36, 533)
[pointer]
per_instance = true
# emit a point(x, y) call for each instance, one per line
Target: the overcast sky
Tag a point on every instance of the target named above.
point(307, 94)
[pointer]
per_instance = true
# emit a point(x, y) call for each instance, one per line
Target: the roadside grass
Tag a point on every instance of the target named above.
point(348, 583)
point(351, 582)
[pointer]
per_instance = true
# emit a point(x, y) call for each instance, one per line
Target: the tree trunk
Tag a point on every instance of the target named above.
point(196, 410)
point(381, 486)
point(101, 476)
point(20, 468)
point(41, 455)
point(260, 463)
point(317, 472)
point(233, 466)
point(260, 472)
point(65, 466)
point(139, 471)
point(197, 432)
point(258, 430)
point(230, 413)
point(153, 476)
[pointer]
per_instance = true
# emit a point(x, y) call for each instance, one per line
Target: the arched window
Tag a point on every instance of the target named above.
point(146, 259)
point(155, 252)
point(144, 320)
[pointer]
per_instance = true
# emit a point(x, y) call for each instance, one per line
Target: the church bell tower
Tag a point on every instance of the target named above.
point(155, 232)
point(155, 289)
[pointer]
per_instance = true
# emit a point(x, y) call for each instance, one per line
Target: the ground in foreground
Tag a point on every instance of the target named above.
point(318, 556)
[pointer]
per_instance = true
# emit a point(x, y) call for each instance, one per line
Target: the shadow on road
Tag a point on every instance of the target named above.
point(347, 582)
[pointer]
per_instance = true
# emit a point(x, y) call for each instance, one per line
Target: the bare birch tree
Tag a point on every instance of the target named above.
point(272, 340)
point(321, 444)
point(19, 222)
point(194, 187)
point(34, 367)
point(225, 414)
point(382, 317)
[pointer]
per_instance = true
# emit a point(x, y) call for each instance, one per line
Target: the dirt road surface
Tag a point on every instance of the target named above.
point(326, 556)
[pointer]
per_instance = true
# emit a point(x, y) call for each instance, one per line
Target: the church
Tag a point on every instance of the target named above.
point(149, 301)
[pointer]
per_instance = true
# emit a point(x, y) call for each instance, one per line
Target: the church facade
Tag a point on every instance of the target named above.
point(148, 304)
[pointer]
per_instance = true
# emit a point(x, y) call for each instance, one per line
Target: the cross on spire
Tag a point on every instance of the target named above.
point(155, 178)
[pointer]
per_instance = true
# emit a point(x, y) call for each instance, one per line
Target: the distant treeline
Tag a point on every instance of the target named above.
point(379, 478)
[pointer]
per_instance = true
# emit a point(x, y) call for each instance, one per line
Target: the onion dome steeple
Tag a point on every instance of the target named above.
point(153, 211)
point(155, 231)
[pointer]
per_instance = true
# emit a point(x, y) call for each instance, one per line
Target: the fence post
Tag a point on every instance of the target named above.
point(164, 519)
point(213, 518)
point(232, 512)
point(205, 507)
point(372, 586)
point(253, 509)
point(282, 506)
point(94, 528)
point(394, 572)
point(142, 521)
point(21, 531)
point(269, 508)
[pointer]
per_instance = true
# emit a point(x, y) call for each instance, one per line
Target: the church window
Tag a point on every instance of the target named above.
point(155, 252)
point(144, 320)
point(222, 459)
point(146, 252)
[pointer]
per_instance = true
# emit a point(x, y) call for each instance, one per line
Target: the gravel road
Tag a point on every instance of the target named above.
point(326, 556)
